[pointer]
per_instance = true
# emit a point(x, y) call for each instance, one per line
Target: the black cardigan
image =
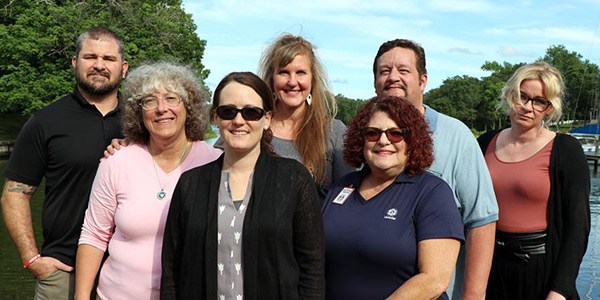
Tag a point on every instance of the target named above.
point(282, 234)
point(568, 212)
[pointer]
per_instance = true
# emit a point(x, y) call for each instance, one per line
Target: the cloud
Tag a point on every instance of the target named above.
point(509, 51)
point(340, 81)
point(583, 35)
point(473, 6)
point(464, 51)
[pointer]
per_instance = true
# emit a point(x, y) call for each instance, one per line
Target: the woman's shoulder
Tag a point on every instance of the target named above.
point(201, 172)
point(337, 126)
point(568, 144)
point(430, 180)
point(286, 164)
point(204, 149)
point(133, 153)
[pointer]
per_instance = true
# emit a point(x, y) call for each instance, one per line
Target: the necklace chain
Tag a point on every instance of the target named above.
point(162, 194)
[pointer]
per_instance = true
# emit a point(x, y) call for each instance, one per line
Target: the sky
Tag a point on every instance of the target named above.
point(458, 36)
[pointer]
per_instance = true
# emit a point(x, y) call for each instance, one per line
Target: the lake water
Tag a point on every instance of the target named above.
point(17, 283)
point(588, 281)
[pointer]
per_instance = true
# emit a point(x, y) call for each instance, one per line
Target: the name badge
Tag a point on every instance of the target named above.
point(343, 195)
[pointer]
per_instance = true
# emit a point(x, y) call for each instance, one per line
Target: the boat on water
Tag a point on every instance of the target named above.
point(589, 137)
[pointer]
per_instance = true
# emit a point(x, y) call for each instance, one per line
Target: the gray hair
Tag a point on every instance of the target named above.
point(176, 78)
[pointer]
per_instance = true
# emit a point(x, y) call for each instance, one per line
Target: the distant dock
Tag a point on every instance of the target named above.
point(592, 157)
point(6, 148)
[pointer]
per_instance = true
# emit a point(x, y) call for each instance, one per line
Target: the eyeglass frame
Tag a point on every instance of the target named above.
point(523, 99)
point(165, 100)
point(403, 131)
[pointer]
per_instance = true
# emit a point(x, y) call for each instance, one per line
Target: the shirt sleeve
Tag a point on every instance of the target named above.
point(99, 224)
point(28, 160)
point(573, 186)
point(436, 215)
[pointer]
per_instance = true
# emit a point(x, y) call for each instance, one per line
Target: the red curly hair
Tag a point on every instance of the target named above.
point(419, 145)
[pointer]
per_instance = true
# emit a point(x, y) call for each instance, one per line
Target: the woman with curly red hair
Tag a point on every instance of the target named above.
point(392, 229)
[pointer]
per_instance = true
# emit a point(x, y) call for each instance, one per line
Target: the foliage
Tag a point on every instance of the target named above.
point(347, 107)
point(38, 41)
point(474, 101)
point(458, 97)
point(581, 80)
point(11, 125)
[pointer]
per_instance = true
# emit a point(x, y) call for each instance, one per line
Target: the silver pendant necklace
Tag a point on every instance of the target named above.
point(162, 194)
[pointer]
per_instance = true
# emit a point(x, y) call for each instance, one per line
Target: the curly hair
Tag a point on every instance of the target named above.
point(254, 82)
point(175, 78)
point(419, 144)
point(316, 122)
point(554, 87)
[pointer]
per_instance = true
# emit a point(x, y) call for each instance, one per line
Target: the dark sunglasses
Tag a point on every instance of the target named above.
point(249, 113)
point(394, 135)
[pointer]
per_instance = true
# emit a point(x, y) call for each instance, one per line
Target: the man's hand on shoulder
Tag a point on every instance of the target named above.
point(115, 145)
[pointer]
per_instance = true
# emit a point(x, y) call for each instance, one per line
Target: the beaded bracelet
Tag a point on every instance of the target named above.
point(31, 260)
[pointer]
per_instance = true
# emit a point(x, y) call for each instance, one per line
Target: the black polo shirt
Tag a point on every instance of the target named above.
point(63, 142)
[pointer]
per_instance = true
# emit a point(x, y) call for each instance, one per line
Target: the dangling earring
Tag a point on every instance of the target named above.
point(309, 99)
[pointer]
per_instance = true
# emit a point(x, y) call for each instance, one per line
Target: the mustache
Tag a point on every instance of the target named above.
point(101, 73)
point(395, 84)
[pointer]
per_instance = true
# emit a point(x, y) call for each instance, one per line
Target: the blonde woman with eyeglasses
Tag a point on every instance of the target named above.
point(542, 183)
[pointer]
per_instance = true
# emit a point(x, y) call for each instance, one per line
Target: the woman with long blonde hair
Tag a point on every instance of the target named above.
point(303, 123)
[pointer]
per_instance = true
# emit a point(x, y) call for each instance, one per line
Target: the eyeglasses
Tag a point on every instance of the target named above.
point(151, 102)
point(394, 135)
point(249, 113)
point(539, 104)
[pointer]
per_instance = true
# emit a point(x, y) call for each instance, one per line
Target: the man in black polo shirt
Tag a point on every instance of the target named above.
point(63, 143)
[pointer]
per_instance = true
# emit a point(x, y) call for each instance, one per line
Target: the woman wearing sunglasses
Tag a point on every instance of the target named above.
point(542, 183)
point(165, 119)
point(392, 230)
point(248, 225)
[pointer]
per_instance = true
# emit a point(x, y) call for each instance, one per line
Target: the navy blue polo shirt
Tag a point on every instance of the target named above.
point(63, 143)
point(371, 246)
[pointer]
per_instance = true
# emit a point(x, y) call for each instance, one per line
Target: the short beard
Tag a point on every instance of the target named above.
point(101, 90)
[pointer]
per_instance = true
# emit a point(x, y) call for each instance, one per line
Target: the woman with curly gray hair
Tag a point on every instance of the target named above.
point(164, 120)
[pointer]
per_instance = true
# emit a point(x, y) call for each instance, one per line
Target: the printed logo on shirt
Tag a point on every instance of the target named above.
point(391, 214)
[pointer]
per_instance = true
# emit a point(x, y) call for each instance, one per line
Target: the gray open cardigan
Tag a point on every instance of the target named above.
point(568, 212)
point(282, 235)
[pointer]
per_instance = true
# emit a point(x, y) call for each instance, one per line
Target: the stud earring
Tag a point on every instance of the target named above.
point(309, 99)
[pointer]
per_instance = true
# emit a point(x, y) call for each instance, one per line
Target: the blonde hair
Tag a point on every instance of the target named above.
point(316, 122)
point(554, 87)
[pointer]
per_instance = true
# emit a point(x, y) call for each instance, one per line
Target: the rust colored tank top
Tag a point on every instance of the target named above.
point(522, 189)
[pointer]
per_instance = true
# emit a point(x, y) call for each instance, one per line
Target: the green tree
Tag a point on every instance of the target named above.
point(581, 81)
point(38, 40)
point(458, 97)
point(347, 107)
point(489, 116)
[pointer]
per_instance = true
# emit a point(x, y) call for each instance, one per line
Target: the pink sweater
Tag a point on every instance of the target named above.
point(125, 215)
